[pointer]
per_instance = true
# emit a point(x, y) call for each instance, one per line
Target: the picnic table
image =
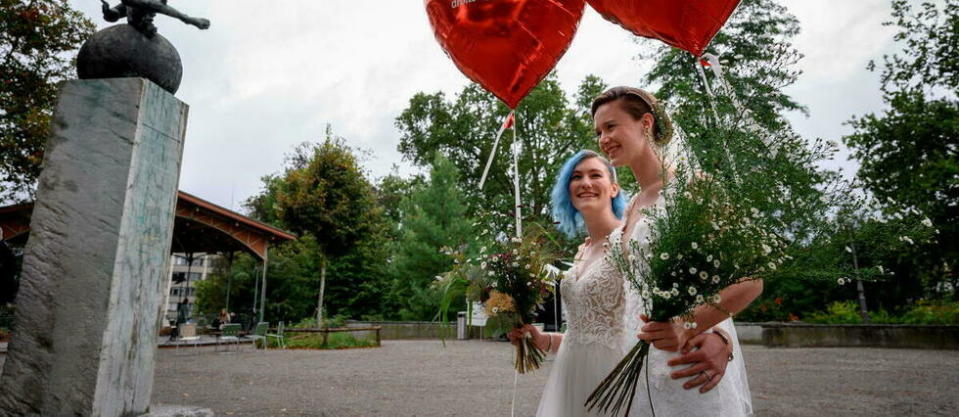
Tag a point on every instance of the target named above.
point(327, 330)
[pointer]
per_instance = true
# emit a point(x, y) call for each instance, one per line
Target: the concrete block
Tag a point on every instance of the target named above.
point(95, 264)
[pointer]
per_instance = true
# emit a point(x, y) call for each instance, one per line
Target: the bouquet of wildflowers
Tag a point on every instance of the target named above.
point(517, 285)
point(511, 278)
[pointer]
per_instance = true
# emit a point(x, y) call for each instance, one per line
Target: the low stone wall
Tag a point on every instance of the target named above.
point(860, 335)
point(768, 334)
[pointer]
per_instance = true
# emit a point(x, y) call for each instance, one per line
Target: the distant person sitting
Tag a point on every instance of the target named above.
point(221, 319)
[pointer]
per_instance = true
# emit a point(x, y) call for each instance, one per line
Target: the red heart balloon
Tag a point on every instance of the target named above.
point(507, 46)
point(685, 24)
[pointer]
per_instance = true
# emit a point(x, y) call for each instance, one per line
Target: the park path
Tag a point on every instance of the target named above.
point(474, 378)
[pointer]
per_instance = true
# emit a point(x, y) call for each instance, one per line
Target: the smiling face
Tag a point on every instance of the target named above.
point(621, 136)
point(591, 187)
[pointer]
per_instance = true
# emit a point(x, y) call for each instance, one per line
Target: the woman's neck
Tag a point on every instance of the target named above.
point(648, 171)
point(599, 226)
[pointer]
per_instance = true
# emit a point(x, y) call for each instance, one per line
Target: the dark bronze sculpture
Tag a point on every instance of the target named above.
point(135, 49)
point(140, 13)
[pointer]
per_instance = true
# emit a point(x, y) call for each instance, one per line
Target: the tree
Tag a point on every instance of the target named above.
point(37, 43)
point(741, 132)
point(324, 194)
point(463, 129)
point(434, 224)
point(909, 154)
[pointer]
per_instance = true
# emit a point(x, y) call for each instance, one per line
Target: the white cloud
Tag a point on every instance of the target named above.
point(269, 75)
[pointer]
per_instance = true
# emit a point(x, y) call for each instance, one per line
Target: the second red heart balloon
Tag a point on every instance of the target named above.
point(685, 24)
point(507, 46)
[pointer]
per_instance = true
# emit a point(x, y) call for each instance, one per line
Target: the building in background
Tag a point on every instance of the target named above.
point(183, 279)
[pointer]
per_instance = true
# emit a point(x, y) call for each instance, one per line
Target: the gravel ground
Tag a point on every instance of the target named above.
point(421, 378)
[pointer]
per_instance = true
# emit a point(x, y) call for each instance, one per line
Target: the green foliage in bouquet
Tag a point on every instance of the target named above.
point(511, 277)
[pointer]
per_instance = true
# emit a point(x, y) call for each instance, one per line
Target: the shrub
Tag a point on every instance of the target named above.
point(932, 312)
point(839, 312)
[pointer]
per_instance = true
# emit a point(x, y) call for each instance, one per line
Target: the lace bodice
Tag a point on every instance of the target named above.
point(593, 302)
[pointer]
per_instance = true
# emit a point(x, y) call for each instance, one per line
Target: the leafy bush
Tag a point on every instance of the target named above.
point(338, 320)
point(334, 341)
point(923, 312)
point(839, 312)
point(933, 312)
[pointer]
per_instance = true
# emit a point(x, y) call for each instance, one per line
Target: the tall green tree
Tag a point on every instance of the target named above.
point(434, 224)
point(38, 40)
point(909, 153)
point(324, 194)
point(741, 130)
point(549, 126)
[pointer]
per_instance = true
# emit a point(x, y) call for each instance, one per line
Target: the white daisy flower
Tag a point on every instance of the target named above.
point(715, 279)
point(693, 270)
point(691, 290)
point(664, 256)
point(695, 245)
point(703, 275)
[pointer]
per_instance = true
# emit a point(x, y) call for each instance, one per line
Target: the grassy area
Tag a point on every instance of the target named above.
point(334, 341)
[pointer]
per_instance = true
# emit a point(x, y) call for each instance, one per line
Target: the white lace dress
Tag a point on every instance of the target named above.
point(593, 304)
point(730, 398)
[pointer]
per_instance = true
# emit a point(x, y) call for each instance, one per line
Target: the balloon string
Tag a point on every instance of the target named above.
point(516, 190)
point(712, 105)
point(717, 70)
point(507, 122)
point(512, 407)
point(702, 74)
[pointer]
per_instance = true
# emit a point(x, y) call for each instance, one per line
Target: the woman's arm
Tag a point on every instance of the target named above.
point(547, 342)
point(673, 336)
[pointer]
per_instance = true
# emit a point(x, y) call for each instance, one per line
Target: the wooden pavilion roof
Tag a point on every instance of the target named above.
point(199, 226)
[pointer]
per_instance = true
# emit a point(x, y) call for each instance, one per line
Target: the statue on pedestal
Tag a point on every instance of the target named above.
point(139, 14)
point(135, 49)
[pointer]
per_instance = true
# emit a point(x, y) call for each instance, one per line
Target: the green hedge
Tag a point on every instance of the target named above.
point(923, 312)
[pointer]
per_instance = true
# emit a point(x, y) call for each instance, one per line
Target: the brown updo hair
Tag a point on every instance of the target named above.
point(637, 103)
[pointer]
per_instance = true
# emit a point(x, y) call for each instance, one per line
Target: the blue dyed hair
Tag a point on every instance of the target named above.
point(571, 220)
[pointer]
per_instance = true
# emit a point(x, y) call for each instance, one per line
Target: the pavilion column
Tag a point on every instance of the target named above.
point(266, 262)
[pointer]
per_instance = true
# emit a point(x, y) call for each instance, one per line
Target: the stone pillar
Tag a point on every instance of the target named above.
point(95, 265)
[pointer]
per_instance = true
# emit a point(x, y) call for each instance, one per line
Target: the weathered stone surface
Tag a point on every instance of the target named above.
point(178, 411)
point(122, 51)
point(94, 266)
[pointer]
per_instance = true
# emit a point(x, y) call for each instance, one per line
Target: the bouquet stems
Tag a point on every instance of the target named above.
point(619, 386)
point(528, 356)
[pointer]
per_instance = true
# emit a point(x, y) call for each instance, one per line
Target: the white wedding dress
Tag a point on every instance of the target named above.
point(730, 398)
point(602, 315)
point(593, 302)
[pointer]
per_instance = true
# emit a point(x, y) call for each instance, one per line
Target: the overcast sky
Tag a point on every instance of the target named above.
point(269, 75)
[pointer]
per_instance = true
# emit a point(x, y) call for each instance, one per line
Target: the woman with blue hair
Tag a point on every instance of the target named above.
point(586, 197)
